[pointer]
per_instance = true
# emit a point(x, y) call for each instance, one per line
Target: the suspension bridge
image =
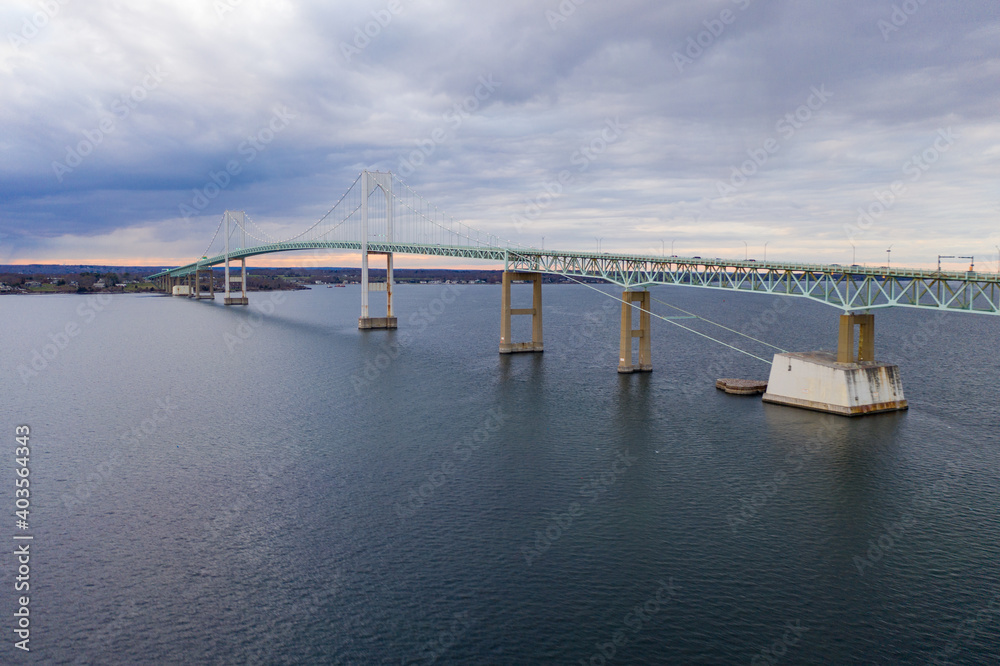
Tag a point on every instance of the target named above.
point(379, 215)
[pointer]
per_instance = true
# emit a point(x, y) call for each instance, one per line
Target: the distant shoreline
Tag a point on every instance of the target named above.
point(89, 280)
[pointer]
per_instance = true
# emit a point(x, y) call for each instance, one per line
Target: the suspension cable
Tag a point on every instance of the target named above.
point(327, 213)
point(467, 233)
point(267, 238)
point(212, 242)
point(766, 344)
point(338, 225)
point(669, 320)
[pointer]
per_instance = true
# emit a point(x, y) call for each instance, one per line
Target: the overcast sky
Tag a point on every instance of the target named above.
point(697, 124)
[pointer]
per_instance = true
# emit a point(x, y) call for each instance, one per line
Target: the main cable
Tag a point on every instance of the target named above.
point(212, 242)
point(766, 344)
point(670, 321)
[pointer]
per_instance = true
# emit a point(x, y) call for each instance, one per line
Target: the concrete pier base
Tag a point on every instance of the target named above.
point(366, 323)
point(850, 382)
point(816, 380)
point(236, 300)
point(507, 346)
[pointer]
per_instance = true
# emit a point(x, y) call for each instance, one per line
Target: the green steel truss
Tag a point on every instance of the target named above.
point(848, 288)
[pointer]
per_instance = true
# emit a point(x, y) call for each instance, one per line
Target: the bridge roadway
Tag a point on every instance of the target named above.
point(845, 287)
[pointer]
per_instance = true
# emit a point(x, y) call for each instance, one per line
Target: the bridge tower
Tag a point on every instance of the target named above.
point(372, 181)
point(239, 219)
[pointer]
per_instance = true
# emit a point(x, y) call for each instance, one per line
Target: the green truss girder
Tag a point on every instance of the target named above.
point(848, 288)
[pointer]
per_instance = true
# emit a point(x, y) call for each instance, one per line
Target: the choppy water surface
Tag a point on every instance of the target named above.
point(215, 487)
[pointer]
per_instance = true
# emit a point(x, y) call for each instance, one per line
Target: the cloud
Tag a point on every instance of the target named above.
point(226, 73)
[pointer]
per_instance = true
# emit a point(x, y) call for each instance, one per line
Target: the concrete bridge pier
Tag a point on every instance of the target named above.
point(626, 362)
point(865, 351)
point(242, 299)
point(175, 288)
point(507, 345)
point(197, 293)
point(239, 219)
point(849, 382)
point(365, 321)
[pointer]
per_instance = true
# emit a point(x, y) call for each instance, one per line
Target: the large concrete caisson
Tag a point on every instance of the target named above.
point(846, 383)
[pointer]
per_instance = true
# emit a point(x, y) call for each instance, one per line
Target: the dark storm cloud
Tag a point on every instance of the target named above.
point(167, 98)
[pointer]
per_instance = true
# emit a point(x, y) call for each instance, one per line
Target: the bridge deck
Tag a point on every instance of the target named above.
point(844, 287)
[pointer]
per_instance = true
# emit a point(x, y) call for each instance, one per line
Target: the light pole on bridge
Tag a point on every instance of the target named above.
point(746, 251)
point(599, 244)
point(887, 256)
point(854, 255)
point(672, 247)
point(765, 249)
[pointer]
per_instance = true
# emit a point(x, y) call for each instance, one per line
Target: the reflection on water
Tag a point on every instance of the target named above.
point(259, 521)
